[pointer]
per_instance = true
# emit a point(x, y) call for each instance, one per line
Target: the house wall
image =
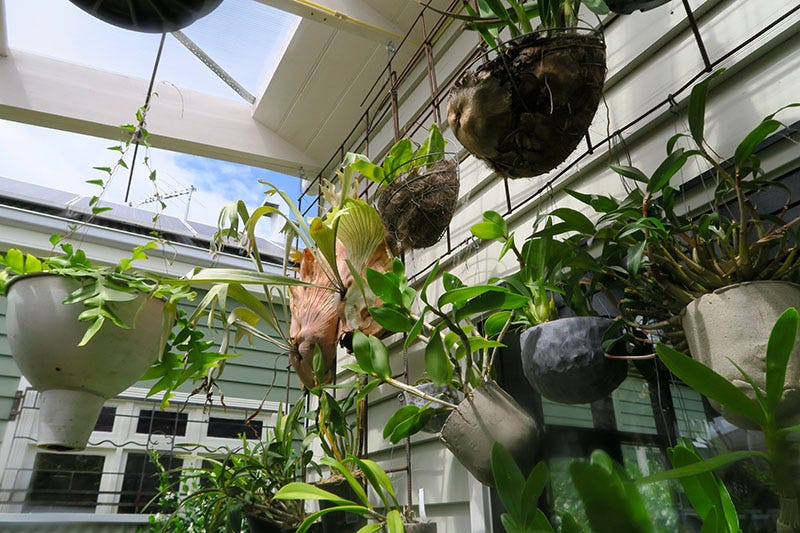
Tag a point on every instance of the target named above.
point(653, 60)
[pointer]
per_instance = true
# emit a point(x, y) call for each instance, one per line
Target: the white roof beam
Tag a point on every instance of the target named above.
point(3, 30)
point(56, 94)
point(353, 16)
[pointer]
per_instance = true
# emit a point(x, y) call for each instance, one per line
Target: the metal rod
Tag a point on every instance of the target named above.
point(143, 115)
point(697, 37)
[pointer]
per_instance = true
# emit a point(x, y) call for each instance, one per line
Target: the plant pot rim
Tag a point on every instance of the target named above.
point(43, 274)
point(733, 286)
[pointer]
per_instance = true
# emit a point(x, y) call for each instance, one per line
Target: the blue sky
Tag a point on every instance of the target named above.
point(64, 161)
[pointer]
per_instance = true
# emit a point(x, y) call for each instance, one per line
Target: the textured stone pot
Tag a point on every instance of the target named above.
point(486, 415)
point(447, 394)
point(626, 7)
point(735, 322)
point(74, 381)
point(563, 359)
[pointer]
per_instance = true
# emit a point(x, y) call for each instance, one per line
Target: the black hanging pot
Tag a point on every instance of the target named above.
point(564, 360)
point(626, 7)
point(524, 111)
point(148, 16)
point(339, 521)
point(257, 524)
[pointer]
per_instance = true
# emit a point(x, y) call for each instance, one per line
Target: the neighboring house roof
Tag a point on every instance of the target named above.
point(32, 197)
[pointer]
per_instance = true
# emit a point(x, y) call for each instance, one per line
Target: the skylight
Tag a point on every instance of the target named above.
point(245, 37)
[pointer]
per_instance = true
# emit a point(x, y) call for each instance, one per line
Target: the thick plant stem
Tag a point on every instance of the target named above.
point(786, 469)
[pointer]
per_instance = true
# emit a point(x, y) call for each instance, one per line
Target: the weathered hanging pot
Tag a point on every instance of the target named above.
point(417, 208)
point(626, 7)
point(564, 360)
point(733, 324)
point(486, 415)
point(526, 110)
point(75, 381)
point(149, 16)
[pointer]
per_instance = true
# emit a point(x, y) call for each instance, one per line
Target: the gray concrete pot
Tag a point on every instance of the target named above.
point(735, 322)
point(563, 359)
point(74, 381)
point(486, 415)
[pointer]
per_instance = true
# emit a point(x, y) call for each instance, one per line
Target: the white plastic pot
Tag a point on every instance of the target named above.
point(735, 322)
point(43, 334)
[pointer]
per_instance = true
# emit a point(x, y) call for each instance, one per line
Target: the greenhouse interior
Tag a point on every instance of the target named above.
point(294, 255)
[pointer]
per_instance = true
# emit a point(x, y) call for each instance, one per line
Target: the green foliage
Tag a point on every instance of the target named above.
point(663, 257)
point(376, 478)
point(244, 482)
point(706, 493)
point(547, 265)
point(401, 159)
point(519, 495)
point(519, 18)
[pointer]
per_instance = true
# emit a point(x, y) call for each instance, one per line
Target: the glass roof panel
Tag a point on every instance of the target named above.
point(246, 38)
point(44, 161)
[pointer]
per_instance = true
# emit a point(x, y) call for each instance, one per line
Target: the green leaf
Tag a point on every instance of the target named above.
point(398, 159)
point(369, 170)
point(362, 351)
point(380, 358)
point(437, 364)
point(451, 281)
point(697, 107)
point(634, 257)
point(459, 295)
point(486, 231)
point(392, 318)
point(385, 286)
point(626, 172)
point(415, 331)
point(779, 349)
point(509, 481)
point(663, 174)
point(753, 139)
point(576, 220)
point(406, 421)
point(493, 325)
point(500, 299)
point(709, 383)
point(394, 522)
point(370, 528)
point(705, 466)
point(609, 506)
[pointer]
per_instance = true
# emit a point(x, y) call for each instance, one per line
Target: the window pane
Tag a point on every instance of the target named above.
point(231, 428)
point(105, 422)
point(161, 422)
point(64, 483)
point(140, 482)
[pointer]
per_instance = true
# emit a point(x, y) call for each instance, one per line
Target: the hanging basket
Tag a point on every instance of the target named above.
point(148, 16)
point(525, 111)
point(416, 209)
point(487, 415)
point(75, 381)
point(626, 7)
point(732, 325)
point(564, 360)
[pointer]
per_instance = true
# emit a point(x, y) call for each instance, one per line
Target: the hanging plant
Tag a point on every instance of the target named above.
point(418, 190)
point(149, 16)
point(526, 109)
